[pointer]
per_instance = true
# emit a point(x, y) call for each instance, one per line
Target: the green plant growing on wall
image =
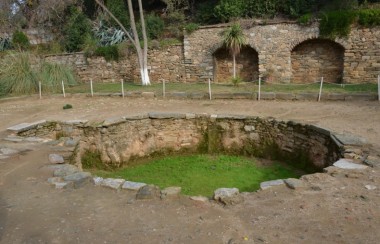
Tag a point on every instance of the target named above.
point(336, 24)
point(233, 40)
point(369, 17)
point(20, 40)
point(108, 52)
point(191, 27)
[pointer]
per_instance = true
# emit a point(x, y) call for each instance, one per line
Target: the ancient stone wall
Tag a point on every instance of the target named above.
point(121, 140)
point(275, 44)
point(164, 64)
point(316, 58)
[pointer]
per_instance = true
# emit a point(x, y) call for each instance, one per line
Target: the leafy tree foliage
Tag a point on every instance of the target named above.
point(76, 29)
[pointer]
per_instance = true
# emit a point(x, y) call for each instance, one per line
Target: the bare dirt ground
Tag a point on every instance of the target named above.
point(335, 209)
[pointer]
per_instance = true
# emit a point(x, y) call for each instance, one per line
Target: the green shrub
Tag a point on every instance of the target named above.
point(119, 8)
point(336, 24)
point(20, 40)
point(108, 52)
point(262, 8)
point(205, 13)
point(52, 75)
point(305, 19)
point(369, 17)
point(76, 30)
point(191, 27)
point(227, 10)
point(154, 26)
point(16, 75)
point(236, 81)
point(68, 106)
point(297, 8)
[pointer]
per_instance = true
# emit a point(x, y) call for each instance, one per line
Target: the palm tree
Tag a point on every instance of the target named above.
point(233, 40)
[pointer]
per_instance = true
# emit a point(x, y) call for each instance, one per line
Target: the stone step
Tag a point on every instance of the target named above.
point(25, 126)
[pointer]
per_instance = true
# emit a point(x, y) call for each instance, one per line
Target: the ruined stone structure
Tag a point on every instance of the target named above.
point(277, 52)
point(164, 64)
point(118, 141)
point(288, 52)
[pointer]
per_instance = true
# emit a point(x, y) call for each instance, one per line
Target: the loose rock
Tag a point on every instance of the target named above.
point(79, 179)
point(370, 187)
point(65, 169)
point(345, 164)
point(294, 183)
point(112, 183)
point(97, 180)
point(228, 196)
point(148, 192)
point(199, 198)
point(56, 159)
point(170, 192)
point(267, 184)
point(133, 186)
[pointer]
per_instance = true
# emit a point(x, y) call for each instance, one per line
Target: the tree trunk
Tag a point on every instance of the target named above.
point(234, 64)
point(145, 53)
point(143, 62)
point(137, 43)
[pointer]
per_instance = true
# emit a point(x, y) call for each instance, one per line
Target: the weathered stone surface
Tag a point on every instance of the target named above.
point(347, 139)
point(177, 95)
point(148, 94)
point(370, 187)
point(360, 97)
point(97, 181)
point(112, 183)
point(76, 122)
point(71, 142)
point(64, 170)
point(8, 151)
point(79, 178)
point(170, 192)
point(294, 183)
point(25, 126)
point(136, 117)
point(228, 196)
point(148, 192)
point(372, 161)
point(267, 96)
point(56, 159)
point(64, 185)
point(133, 186)
point(36, 139)
point(231, 116)
point(267, 184)
point(113, 121)
point(199, 198)
point(345, 164)
point(13, 138)
point(53, 180)
point(307, 96)
point(155, 115)
point(285, 96)
point(335, 97)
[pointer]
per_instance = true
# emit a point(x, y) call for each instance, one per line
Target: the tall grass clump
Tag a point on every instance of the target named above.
point(17, 75)
point(52, 75)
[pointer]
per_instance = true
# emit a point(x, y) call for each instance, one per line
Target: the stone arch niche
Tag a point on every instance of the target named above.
point(247, 65)
point(316, 58)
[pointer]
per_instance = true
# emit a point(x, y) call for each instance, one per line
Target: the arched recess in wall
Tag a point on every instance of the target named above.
point(247, 65)
point(316, 58)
